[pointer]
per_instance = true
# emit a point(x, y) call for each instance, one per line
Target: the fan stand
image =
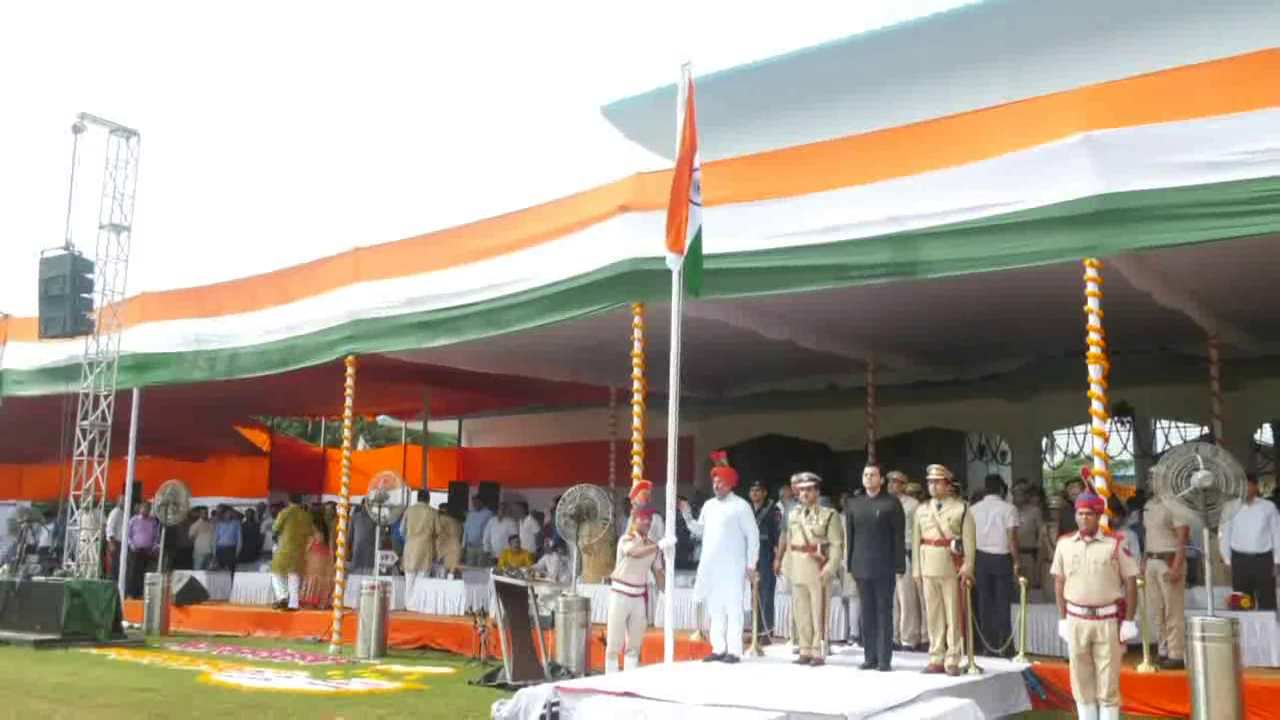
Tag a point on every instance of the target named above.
point(160, 562)
point(1205, 538)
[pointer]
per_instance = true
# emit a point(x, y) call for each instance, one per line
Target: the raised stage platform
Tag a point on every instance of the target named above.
point(1163, 694)
point(774, 687)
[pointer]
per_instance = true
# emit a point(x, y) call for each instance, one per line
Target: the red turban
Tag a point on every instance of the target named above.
point(721, 470)
point(638, 487)
point(644, 511)
point(1088, 501)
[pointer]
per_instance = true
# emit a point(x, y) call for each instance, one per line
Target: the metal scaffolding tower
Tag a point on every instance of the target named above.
point(91, 451)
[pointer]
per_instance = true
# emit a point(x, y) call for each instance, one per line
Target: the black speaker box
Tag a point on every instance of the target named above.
point(459, 499)
point(192, 592)
point(489, 493)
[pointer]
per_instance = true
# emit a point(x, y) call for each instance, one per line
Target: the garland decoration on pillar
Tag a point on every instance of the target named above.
point(613, 437)
point(344, 506)
point(638, 389)
point(1099, 474)
point(1215, 391)
point(871, 412)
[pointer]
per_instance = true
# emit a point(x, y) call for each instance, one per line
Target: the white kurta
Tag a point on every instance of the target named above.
point(730, 546)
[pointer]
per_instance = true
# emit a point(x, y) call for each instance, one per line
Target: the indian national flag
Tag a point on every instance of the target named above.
point(684, 209)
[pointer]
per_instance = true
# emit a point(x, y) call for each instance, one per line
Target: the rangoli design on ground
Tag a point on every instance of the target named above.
point(277, 655)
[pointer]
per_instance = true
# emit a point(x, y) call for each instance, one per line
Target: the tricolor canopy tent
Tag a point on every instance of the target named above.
point(928, 211)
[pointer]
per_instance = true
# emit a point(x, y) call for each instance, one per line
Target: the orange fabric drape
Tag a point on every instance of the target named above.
point(297, 467)
point(223, 476)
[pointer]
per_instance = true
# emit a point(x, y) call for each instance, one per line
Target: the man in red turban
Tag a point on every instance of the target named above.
point(730, 549)
point(1095, 583)
point(640, 495)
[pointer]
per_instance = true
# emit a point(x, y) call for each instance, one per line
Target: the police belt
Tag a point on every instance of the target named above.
point(805, 548)
point(1101, 612)
point(1164, 557)
point(936, 542)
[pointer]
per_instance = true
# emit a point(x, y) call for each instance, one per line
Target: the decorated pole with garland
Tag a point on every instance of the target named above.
point(344, 506)
point(1099, 472)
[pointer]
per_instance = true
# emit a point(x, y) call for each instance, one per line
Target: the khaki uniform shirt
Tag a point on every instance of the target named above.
point(1096, 569)
point(1161, 527)
point(421, 525)
point(818, 526)
point(449, 542)
point(632, 572)
point(953, 520)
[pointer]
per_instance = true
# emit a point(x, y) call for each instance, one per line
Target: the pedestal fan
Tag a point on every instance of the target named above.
point(385, 502)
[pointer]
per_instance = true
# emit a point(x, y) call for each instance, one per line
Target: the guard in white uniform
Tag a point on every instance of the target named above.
point(638, 558)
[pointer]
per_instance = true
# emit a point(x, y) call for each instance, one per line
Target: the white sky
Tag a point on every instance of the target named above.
point(277, 132)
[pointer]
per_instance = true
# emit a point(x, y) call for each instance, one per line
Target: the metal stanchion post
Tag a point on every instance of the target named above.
point(1021, 657)
point(754, 650)
point(696, 635)
point(1146, 666)
point(973, 668)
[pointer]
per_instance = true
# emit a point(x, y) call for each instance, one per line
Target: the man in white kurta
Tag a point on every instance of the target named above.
point(730, 547)
point(638, 558)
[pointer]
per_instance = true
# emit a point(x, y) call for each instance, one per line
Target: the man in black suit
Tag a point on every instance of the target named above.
point(769, 520)
point(876, 528)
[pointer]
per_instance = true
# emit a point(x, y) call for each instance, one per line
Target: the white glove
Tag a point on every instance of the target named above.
point(1128, 631)
point(1063, 632)
point(667, 544)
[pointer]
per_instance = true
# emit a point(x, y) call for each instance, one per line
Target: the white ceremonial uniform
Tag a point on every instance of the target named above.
point(629, 603)
point(730, 545)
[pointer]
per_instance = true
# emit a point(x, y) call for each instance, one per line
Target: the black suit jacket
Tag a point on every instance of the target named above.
point(877, 530)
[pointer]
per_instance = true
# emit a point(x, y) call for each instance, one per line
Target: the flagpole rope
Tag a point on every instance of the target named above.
point(638, 388)
point(1099, 368)
point(344, 506)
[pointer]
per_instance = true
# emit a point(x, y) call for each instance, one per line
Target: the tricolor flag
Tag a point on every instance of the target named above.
point(684, 209)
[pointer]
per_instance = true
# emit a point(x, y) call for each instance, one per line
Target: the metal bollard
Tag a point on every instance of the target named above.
point(156, 590)
point(1214, 668)
point(373, 616)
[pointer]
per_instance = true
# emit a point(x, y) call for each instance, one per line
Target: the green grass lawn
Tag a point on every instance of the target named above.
point(80, 684)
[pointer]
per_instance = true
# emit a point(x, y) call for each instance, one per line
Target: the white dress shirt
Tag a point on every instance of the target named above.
point(993, 518)
point(1254, 530)
point(496, 534)
point(115, 524)
point(529, 529)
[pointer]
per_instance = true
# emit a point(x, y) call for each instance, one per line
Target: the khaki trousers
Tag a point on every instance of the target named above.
point(906, 611)
point(627, 623)
point(1168, 603)
point(946, 641)
point(806, 609)
point(1095, 655)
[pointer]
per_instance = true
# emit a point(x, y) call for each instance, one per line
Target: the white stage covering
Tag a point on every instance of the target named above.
point(773, 686)
point(254, 588)
point(1259, 633)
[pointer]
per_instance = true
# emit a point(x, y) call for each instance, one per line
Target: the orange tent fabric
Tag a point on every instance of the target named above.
point(295, 466)
point(1162, 694)
point(225, 476)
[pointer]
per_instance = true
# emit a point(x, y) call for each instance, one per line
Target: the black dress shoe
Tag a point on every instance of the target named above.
point(1172, 664)
point(729, 659)
point(713, 657)
point(884, 668)
point(802, 660)
point(868, 665)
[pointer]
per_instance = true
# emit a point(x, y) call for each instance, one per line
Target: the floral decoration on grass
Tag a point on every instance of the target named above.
point(300, 682)
point(276, 655)
point(415, 669)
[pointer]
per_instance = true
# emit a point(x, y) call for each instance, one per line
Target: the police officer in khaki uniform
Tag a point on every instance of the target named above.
point(1093, 573)
point(812, 552)
point(1165, 568)
point(943, 539)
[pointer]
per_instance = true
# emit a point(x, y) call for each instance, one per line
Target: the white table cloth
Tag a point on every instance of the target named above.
point(254, 588)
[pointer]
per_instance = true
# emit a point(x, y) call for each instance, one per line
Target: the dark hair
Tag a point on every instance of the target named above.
point(295, 498)
point(424, 497)
point(994, 485)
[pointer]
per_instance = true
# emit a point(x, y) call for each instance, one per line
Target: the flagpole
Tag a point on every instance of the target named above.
point(673, 413)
